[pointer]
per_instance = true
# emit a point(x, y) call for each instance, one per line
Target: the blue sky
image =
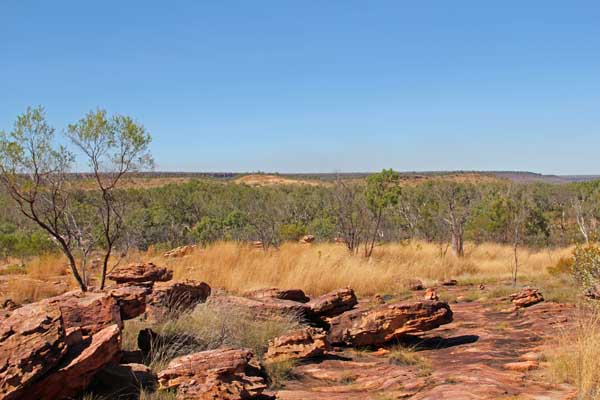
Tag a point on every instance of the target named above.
point(319, 86)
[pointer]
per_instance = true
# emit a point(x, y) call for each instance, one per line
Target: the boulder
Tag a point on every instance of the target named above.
point(282, 294)
point(32, 342)
point(172, 298)
point(265, 308)
point(413, 284)
point(140, 272)
point(307, 239)
point(180, 251)
point(333, 303)
point(298, 344)
point(90, 312)
point(526, 297)
point(388, 322)
point(224, 373)
point(123, 381)
point(52, 348)
point(78, 368)
point(431, 294)
point(131, 300)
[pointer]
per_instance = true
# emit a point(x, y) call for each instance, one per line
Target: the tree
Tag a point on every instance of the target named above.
point(349, 208)
point(585, 206)
point(114, 147)
point(381, 194)
point(34, 173)
point(456, 203)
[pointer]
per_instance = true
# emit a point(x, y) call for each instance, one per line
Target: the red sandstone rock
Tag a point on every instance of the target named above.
point(172, 298)
point(431, 294)
point(32, 342)
point(224, 373)
point(521, 366)
point(131, 300)
point(334, 303)
point(298, 344)
point(413, 284)
point(76, 371)
point(282, 294)
point(385, 323)
point(526, 297)
point(90, 311)
point(140, 272)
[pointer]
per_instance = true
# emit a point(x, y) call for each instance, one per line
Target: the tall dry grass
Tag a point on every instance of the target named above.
point(323, 267)
point(576, 358)
point(317, 268)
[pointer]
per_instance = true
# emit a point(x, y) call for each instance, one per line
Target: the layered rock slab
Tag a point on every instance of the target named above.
point(388, 322)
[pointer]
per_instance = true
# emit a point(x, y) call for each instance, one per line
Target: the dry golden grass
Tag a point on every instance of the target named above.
point(320, 268)
point(576, 359)
point(26, 290)
point(323, 267)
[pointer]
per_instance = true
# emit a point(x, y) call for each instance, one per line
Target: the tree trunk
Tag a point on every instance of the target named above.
point(457, 243)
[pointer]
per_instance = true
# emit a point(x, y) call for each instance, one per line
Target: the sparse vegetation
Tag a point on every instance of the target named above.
point(206, 327)
point(576, 359)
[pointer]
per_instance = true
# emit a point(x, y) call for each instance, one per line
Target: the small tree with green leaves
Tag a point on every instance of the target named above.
point(382, 194)
point(34, 172)
point(114, 147)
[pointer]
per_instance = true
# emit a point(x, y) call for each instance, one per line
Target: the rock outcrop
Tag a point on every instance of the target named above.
point(140, 272)
point(131, 300)
point(88, 312)
point(282, 294)
point(431, 294)
point(385, 323)
point(51, 349)
point(264, 308)
point(76, 373)
point(333, 303)
point(298, 344)
point(412, 284)
point(32, 342)
point(173, 298)
point(224, 373)
point(526, 297)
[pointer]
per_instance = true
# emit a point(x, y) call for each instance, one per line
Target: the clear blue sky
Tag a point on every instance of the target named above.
point(299, 86)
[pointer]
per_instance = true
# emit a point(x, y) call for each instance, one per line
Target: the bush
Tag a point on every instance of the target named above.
point(586, 265)
point(564, 265)
point(292, 231)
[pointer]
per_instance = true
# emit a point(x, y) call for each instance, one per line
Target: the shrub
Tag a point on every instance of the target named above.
point(564, 265)
point(292, 231)
point(586, 265)
point(207, 327)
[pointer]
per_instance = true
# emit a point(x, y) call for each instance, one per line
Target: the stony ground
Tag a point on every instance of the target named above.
point(488, 352)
